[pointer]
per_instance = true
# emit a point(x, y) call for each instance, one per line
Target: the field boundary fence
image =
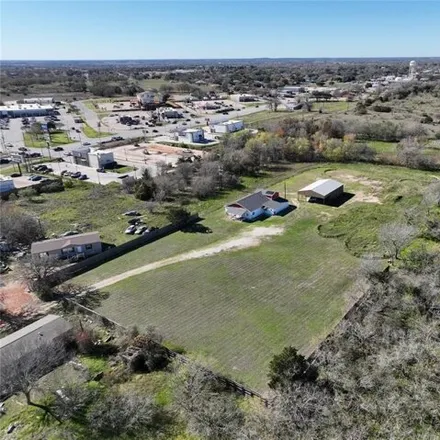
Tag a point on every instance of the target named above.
point(230, 384)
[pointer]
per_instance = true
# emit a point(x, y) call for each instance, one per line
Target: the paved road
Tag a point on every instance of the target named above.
point(15, 137)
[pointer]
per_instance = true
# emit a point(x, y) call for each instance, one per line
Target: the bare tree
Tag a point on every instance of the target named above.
point(210, 412)
point(19, 228)
point(204, 186)
point(118, 414)
point(22, 367)
point(394, 237)
point(40, 274)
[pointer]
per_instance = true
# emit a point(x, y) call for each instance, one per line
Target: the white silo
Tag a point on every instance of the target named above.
point(412, 69)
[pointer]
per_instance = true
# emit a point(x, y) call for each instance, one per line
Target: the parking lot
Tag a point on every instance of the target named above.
point(93, 175)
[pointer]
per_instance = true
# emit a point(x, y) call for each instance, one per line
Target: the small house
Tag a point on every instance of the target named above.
point(261, 203)
point(80, 245)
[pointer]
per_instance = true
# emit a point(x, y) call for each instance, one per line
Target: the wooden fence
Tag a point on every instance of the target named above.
point(230, 384)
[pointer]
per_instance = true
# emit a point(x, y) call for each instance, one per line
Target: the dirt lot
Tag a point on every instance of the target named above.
point(135, 156)
point(15, 298)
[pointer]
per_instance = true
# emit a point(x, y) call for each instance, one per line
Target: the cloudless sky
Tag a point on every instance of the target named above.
point(63, 29)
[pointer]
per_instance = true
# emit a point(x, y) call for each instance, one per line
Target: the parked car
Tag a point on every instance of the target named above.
point(35, 178)
point(76, 175)
point(4, 160)
point(136, 144)
point(58, 149)
point(130, 230)
point(15, 175)
point(69, 233)
point(100, 170)
point(22, 149)
point(64, 172)
point(184, 123)
point(117, 138)
point(8, 145)
point(141, 230)
point(134, 221)
point(155, 131)
point(188, 120)
point(68, 154)
point(83, 177)
point(132, 213)
point(40, 167)
point(86, 144)
point(35, 154)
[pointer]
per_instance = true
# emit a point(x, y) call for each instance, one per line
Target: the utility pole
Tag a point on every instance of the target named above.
point(48, 149)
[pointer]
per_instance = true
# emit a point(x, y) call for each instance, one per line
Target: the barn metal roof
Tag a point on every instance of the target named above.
point(323, 187)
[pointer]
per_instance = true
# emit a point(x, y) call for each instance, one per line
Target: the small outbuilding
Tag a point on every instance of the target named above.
point(322, 190)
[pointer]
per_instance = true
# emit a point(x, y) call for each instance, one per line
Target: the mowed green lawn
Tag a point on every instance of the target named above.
point(238, 308)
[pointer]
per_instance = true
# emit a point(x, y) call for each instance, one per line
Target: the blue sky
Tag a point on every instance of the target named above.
point(208, 29)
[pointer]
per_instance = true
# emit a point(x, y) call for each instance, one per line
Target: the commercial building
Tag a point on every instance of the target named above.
point(93, 158)
point(169, 112)
point(80, 245)
point(258, 204)
point(35, 349)
point(228, 126)
point(194, 135)
point(100, 159)
point(25, 110)
point(42, 101)
point(6, 185)
point(323, 191)
point(146, 98)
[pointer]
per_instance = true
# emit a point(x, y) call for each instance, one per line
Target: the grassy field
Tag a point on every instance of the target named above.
point(92, 133)
point(340, 106)
point(87, 207)
point(237, 309)
point(153, 83)
point(37, 141)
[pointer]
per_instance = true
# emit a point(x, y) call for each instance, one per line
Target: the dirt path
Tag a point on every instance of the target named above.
point(245, 240)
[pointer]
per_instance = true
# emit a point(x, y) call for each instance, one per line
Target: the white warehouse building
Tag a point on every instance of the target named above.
point(23, 110)
point(228, 126)
point(38, 101)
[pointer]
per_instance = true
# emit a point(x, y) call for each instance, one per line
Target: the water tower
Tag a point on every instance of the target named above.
point(412, 69)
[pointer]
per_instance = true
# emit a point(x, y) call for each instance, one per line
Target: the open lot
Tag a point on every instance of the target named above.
point(238, 305)
point(86, 207)
point(157, 153)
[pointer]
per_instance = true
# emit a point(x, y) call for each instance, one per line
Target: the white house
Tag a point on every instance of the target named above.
point(258, 204)
point(169, 112)
point(228, 126)
point(194, 135)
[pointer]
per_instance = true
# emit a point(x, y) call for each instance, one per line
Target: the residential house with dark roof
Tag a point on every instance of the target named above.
point(258, 204)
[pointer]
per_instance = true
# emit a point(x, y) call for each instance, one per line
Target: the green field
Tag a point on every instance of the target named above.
point(92, 133)
point(237, 309)
point(37, 141)
point(87, 207)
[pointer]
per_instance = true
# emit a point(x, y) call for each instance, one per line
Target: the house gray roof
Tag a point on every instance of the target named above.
point(252, 201)
point(55, 244)
point(30, 337)
point(274, 204)
point(322, 187)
